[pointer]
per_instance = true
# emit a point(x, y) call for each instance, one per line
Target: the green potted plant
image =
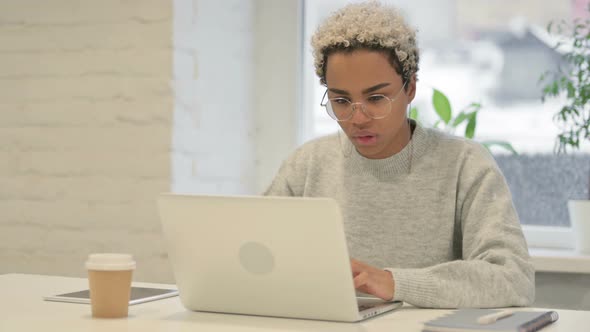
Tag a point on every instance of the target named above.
point(572, 80)
point(450, 123)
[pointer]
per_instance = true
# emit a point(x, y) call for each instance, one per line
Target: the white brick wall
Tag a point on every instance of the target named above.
point(85, 132)
point(91, 130)
point(213, 146)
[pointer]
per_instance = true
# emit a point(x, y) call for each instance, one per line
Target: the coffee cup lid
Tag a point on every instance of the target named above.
point(110, 262)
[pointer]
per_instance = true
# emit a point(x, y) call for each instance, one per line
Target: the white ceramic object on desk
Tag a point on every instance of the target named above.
point(579, 211)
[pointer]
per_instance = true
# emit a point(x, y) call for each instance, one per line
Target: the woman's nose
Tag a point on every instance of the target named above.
point(358, 114)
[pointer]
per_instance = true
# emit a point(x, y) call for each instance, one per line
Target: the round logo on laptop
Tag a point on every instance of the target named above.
point(256, 258)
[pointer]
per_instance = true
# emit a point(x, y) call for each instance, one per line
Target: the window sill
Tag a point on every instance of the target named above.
point(560, 260)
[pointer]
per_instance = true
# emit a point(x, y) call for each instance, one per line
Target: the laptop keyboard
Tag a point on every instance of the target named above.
point(366, 306)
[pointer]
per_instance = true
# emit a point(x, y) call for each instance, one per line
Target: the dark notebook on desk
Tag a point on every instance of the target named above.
point(466, 320)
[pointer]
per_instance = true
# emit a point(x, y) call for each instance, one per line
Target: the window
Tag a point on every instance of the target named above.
point(493, 53)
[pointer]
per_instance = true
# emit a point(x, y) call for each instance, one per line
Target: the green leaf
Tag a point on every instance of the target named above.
point(414, 113)
point(459, 119)
point(502, 144)
point(470, 129)
point(441, 106)
point(555, 88)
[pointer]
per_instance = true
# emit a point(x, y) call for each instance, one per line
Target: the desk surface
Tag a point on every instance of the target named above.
point(23, 309)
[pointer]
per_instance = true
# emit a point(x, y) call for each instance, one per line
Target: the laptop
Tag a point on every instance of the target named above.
point(265, 256)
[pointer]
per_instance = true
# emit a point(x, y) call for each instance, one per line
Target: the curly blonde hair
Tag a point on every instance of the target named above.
point(368, 25)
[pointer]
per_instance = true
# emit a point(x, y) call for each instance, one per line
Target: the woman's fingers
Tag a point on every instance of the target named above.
point(370, 280)
point(361, 279)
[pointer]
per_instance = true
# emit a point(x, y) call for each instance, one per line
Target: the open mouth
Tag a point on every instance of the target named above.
point(366, 139)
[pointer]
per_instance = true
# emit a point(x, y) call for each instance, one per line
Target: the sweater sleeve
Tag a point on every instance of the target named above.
point(280, 185)
point(287, 180)
point(495, 270)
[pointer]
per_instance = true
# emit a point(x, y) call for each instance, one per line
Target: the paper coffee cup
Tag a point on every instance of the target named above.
point(109, 278)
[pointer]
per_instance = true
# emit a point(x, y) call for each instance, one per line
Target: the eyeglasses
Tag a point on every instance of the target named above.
point(376, 107)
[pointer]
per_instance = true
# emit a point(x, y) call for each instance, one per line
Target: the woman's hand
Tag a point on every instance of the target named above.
point(371, 280)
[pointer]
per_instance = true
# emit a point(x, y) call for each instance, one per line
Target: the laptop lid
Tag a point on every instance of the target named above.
point(270, 256)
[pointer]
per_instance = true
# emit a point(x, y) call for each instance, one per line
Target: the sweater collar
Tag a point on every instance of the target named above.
point(400, 163)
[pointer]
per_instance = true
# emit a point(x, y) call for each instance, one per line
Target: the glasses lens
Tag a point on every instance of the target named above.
point(377, 106)
point(339, 109)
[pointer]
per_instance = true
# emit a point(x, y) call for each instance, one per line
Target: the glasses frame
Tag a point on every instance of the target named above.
point(327, 104)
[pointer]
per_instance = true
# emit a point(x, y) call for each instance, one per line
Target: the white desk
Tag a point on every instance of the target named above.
point(22, 309)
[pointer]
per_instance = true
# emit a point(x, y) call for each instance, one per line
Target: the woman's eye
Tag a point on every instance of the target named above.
point(376, 98)
point(340, 101)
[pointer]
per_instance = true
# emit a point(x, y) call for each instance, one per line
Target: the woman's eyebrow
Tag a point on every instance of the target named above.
point(365, 91)
point(338, 91)
point(375, 87)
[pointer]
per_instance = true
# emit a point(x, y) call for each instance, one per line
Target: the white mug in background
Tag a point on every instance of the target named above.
point(579, 211)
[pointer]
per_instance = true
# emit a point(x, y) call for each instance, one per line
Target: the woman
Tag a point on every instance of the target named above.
point(428, 217)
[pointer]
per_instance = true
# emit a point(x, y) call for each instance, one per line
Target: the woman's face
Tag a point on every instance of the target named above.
point(358, 77)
